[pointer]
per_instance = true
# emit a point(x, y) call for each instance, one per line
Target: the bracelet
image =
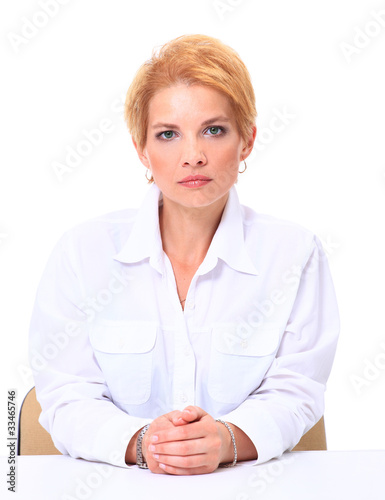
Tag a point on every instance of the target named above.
point(139, 455)
point(233, 440)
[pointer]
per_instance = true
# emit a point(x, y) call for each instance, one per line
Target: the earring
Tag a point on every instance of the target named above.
point(244, 170)
point(151, 179)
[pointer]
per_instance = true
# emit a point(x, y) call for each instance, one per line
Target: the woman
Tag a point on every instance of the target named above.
point(192, 332)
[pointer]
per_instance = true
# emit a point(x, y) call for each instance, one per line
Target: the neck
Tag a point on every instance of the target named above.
point(187, 232)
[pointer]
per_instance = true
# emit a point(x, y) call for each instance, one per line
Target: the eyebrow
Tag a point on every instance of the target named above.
point(206, 122)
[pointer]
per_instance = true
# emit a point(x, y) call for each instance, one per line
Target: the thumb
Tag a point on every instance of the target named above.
point(190, 414)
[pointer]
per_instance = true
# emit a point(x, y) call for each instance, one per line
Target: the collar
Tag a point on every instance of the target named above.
point(144, 240)
point(228, 243)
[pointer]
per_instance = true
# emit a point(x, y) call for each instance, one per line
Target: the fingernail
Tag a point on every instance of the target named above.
point(162, 466)
point(156, 456)
point(152, 447)
point(154, 438)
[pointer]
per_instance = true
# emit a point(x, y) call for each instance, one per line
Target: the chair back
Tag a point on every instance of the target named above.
point(33, 438)
point(314, 439)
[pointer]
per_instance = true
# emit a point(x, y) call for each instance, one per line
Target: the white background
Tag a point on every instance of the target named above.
point(325, 169)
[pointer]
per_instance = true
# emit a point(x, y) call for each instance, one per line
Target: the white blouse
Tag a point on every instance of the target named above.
point(111, 348)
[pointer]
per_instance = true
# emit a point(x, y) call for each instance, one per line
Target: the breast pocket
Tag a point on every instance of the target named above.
point(238, 363)
point(124, 351)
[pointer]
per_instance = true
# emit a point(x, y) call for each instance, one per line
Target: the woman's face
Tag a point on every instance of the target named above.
point(193, 147)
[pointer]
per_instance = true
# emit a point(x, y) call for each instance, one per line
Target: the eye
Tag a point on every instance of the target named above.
point(167, 134)
point(215, 130)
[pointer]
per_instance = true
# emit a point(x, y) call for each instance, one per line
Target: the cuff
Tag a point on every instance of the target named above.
point(261, 428)
point(113, 438)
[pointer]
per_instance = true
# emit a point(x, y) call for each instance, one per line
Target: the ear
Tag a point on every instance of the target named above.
point(248, 146)
point(142, 154)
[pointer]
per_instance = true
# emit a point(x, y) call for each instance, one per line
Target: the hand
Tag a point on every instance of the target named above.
point(187, 442)
point(160, 424)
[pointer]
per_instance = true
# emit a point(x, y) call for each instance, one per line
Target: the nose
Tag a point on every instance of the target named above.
point(193, 155)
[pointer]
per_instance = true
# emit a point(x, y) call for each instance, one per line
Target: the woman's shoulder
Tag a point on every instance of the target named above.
point(256, 219)
point(112, 227)
point(275, 230)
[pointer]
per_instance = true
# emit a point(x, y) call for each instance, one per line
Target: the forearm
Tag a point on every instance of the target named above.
point(92, 429)
point(130, 457)
point(275, 424)
point(245, 447)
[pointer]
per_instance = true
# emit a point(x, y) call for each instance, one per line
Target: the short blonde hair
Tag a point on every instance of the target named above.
point(191, 60)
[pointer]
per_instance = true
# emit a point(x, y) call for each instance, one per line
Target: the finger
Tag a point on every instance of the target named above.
point(180, 448)
point(186, 416)
point(180, 471)
point(189, 462)
point(193, 430)
point(163, 422)
point(153, 465)
point(180, 421)
point(192, 413)
point(189, 414)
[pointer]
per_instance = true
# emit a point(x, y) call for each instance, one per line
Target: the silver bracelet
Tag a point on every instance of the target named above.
point(139, 455)
point(233, 440)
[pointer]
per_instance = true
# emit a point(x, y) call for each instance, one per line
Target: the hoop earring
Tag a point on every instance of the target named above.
point(149, 180)
point(244, 170)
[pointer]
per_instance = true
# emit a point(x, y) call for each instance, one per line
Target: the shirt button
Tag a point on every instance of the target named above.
point(190, 304)
point(244, 344)
point(183, 398)
point(186, 351)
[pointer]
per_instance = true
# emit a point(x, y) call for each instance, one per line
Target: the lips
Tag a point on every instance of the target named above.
point(194, 181)
point(193, 178)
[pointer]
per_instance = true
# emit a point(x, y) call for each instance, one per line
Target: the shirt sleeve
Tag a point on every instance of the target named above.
point(290, 399)
point(77, 408)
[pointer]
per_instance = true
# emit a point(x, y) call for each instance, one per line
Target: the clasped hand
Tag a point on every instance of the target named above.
point(186, 442)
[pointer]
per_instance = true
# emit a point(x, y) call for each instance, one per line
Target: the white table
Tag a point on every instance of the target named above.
point(326, 475)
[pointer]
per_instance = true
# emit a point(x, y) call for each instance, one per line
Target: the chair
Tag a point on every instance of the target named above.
point(314, 439)
point(35, 440)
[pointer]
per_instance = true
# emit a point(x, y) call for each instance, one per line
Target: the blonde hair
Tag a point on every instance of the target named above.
point(191, 60)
